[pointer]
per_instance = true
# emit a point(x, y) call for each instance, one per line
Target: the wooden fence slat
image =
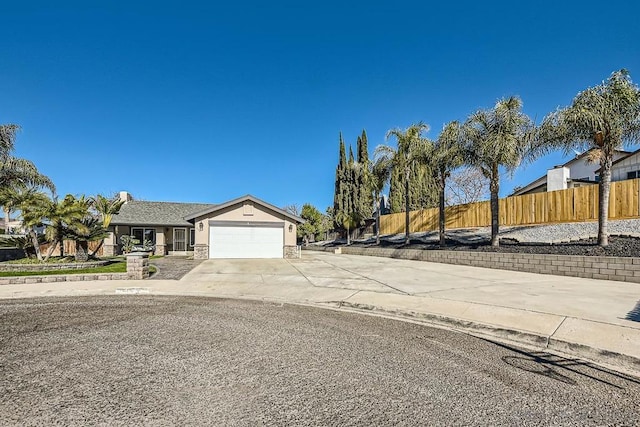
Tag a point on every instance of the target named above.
point(573, 204)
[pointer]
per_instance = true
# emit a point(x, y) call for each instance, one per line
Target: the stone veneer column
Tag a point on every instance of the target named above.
point(138, 265)
point(109, 250)
point(292, 252)
point(201, 251)
point(160, 250)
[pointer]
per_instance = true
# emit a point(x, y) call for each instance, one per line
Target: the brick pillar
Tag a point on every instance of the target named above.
point(138, 265)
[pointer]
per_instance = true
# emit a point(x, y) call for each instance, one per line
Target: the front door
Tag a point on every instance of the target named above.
point(179, 239)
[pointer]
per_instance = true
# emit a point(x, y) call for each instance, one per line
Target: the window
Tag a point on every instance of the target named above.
point(597, 178)
point(144, 234)
point(633, 175)
point(192, 237)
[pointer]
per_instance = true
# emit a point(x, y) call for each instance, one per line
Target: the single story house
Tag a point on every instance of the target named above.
point(246, 227)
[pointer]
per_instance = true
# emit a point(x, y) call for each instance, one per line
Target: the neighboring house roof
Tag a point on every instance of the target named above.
point(536, 183)
point(626, 157)
point(248, 197)
point(157, 213)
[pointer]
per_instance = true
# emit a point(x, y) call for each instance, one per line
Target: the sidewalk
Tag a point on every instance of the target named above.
point(593, 319)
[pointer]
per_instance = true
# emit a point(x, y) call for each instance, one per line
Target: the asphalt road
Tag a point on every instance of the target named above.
point(190, 361)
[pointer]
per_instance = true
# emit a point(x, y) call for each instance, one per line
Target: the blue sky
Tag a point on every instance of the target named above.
point(207, 101)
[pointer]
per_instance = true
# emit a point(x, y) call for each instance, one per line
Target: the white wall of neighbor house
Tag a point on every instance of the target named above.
point(583, 169)
point(557, 178)
point(249, 212)
point(628, 168)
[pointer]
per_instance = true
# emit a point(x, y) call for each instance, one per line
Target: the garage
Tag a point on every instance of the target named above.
point(246, 227)
point(246, 241)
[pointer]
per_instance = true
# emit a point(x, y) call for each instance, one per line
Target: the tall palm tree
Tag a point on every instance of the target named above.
point(447, 156)
point(105, 208)
point(604, 118)
point(494, 139)
point(379, 174)
point(16, 173)
point(412, 148)
point(7, 139)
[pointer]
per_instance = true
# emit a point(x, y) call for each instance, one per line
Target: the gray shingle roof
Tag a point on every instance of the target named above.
point(157, 213)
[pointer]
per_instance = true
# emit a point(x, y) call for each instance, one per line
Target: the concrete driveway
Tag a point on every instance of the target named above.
point(597, 300)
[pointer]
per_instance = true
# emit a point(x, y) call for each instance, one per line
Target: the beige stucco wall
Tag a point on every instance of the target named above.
point(238, 212)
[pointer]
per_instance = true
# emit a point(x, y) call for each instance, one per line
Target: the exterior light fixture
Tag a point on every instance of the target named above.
point(200, 226)
point(290, 228)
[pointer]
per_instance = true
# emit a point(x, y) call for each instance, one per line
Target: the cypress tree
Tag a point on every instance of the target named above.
point(365, 189)
point(422, 190)
point(341, 170)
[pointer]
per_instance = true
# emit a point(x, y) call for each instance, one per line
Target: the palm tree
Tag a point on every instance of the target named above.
point(59, 216)
point(348, 220)
point(32, 204)
point(601, 118)
point(379, 174)
point(105, 208)
point(412, 148)
point(494, 139)
point(15, 190)
point(88, 229)
point(447, 156)
point(7, 139)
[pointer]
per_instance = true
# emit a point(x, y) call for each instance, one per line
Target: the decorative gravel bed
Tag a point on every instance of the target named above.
point(554, 239)
point(618, 247)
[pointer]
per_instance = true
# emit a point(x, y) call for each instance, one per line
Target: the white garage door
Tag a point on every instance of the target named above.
point(245, 242)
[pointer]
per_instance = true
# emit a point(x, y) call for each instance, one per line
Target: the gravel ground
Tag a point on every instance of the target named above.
point(191, 361)
point(566, 239)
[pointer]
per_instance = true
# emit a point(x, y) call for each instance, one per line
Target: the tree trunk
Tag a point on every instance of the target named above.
point(494, 187)
point(82, 251)
point(406, 206)
point(51, 249)
point(441, 218)
point(378, 219)
point(61, 244)
point(603, 203)
point(95, 251)
point(348, 237)
point(36, 244)
point(7, 212)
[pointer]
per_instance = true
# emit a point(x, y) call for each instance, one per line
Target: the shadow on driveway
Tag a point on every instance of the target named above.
point(634, 314)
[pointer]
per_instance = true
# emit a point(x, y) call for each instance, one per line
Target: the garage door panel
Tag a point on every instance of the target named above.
point(245, 242)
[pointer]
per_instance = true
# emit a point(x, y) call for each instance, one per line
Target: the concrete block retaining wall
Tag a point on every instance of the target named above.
point(61, 278)
point(626, 269)
point(52, 266)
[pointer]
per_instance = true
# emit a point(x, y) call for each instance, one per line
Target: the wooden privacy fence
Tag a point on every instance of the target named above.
point(571, 205)
point(69, 248)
